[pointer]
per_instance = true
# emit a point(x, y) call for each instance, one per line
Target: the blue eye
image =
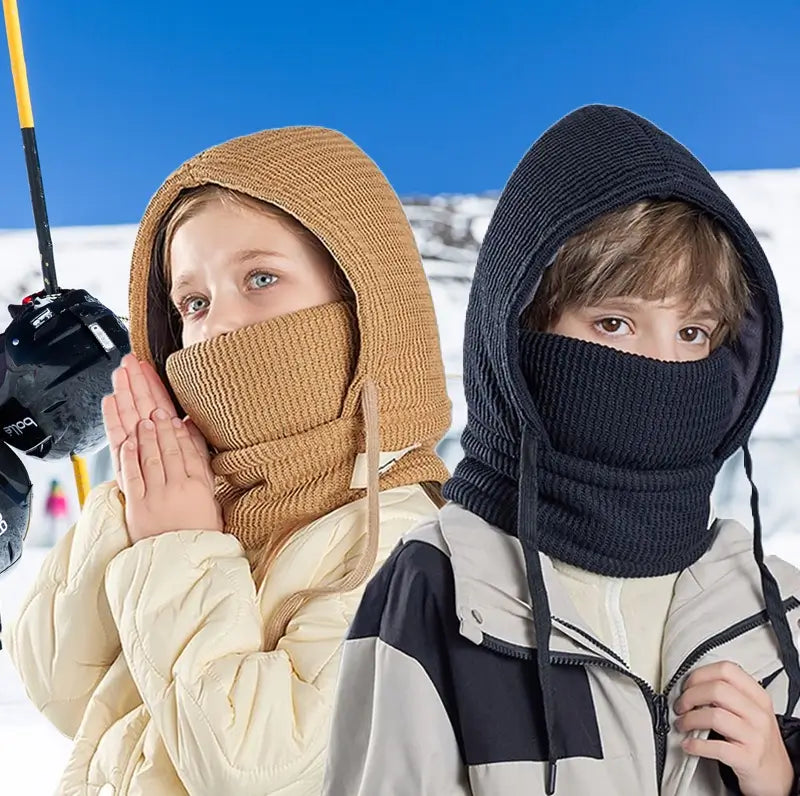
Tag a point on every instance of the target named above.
point(189, 305)
point(262, 279)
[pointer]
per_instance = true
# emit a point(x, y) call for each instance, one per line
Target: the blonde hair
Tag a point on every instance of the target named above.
point(191, 202)
point(186, 206)
point(653, 250)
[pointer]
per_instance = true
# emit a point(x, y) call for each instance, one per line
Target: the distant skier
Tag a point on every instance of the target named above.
point(57, 511)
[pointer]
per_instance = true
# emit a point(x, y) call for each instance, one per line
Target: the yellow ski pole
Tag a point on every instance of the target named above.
point(33, 166)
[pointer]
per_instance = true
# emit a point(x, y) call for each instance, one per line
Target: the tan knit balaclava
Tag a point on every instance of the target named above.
point(282, 402)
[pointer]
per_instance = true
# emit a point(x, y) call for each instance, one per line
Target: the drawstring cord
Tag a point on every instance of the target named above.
point(772, 597)
point(276, 627)
point(527, 530)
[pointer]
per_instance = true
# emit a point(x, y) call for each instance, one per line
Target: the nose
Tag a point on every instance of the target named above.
point(220, 318)
point(664, 348)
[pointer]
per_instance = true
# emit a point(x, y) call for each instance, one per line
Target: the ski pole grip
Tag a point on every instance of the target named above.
point(18, 69)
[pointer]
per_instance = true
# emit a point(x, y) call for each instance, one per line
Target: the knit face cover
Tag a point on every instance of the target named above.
point(292, 404)
point(624, 486)
point(279, 456)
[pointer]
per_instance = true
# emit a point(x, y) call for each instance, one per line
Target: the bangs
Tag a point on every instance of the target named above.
point(651, 250)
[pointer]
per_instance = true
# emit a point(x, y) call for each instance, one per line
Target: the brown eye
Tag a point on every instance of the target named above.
point(615, 327)
point(693, 334)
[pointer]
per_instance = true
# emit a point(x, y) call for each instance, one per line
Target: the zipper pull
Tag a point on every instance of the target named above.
point(662, 714)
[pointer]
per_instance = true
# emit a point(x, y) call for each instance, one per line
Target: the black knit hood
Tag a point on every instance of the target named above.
point(596, 160)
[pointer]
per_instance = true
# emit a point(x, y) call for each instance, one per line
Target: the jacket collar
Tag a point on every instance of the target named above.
point(493, 600)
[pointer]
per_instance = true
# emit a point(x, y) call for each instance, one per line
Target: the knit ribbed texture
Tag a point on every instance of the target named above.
point(243, 385)
point(609, 407)
point(624, 489)
point(595, 160)
point(271, 404)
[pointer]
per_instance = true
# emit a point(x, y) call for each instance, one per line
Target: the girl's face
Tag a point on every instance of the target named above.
point(234, 266)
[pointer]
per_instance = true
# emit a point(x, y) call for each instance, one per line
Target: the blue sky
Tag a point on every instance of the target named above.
point(445, 96)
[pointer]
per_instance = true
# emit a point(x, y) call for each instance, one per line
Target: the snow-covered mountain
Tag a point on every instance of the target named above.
point(449, 230)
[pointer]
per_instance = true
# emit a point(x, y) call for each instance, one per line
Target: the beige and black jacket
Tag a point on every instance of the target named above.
point(438, 694)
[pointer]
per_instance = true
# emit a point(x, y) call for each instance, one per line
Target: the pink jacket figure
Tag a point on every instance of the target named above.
point(56, 502)
point(57, 511)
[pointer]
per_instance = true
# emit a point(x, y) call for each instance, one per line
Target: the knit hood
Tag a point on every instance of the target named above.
point(331, 187)
point(596, 160)
point(306, 414)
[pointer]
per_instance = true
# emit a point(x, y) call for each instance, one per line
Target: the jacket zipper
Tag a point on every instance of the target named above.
point(657, 702)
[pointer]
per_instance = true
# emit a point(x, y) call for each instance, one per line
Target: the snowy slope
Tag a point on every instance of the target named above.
point(448, 231)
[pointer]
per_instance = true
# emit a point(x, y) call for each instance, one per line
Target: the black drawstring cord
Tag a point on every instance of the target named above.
point(772, 597)
point(527, 529)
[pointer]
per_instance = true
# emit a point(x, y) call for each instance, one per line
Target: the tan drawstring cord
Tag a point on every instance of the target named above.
point(276, 627)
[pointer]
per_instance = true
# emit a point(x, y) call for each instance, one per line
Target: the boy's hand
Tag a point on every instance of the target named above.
point(167, 479)
point(137, 393)
point(724, 698)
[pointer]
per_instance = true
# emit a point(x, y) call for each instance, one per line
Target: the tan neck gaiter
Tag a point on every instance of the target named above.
point(269, 399)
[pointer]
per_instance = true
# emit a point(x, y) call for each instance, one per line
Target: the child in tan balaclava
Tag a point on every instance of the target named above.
point(186, 632)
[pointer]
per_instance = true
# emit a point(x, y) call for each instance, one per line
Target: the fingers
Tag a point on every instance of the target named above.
point(733, 728)
point(727, 753)
point(157, 389)
point(717, 693)
point(172, 456)
point(126, 408)
point(194, 463)
point(150, 460)
point(143, 398)
point(733, 674)
point(111, 420)
point(132, 480)
point(114, 431)
point(197, 438)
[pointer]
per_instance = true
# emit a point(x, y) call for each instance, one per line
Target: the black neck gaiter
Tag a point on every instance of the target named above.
point(626, 479)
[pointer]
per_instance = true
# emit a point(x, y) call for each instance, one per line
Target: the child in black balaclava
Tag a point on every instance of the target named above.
point(576, 620)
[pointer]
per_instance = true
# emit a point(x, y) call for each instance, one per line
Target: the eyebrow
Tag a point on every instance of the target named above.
point(705, 314)
point(617, 303)
point(245, 255)
point(242, 256)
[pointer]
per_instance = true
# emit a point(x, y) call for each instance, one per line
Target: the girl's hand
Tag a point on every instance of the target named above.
point(724, 698)
point(138, 391)
point(167, 479)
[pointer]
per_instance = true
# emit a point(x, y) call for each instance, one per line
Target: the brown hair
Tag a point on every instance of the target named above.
point(653, 250)
point(163, 319)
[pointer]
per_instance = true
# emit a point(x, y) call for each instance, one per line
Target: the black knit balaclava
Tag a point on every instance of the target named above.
point(543, 460)
point(624, 484)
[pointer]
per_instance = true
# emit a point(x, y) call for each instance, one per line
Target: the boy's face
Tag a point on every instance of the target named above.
point(666, 330)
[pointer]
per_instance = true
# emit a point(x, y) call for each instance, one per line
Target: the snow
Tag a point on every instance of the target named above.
point(448, 230)
point(32, 752)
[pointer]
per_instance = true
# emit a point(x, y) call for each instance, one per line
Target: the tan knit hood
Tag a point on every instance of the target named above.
point(328, 184)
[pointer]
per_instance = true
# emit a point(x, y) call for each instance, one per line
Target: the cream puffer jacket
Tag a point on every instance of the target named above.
point(150, 656)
